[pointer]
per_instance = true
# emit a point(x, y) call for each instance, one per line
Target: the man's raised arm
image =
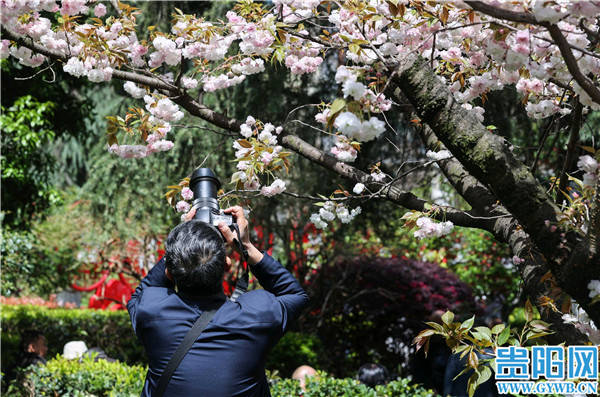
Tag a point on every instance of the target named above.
point(273, 277)
point(155, 278)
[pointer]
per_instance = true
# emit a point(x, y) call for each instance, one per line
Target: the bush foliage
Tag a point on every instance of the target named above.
point(88, 378)
point(112, 332)
point(368, 309)
point(324, 385)
point(62, 377)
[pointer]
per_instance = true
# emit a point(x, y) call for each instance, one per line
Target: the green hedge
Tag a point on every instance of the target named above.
point(112, 332)
point(62, 377)
point(327, 386)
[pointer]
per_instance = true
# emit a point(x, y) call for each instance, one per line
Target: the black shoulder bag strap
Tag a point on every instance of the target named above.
point(240, 287)
point(182, 350)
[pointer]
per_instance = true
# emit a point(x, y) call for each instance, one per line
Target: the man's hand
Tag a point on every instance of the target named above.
point(190, 215)
point(254, 255)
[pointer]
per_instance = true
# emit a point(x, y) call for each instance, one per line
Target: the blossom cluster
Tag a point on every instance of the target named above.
point(163, 112)
point(330, 210)
point(343, 149)
point(183, 205)
point(258, 153)
point(429, 228)
point(580, 319)
point(438, 156)
point(591, 170)
point(363, 131)
point(471, 54)
point(594, 287)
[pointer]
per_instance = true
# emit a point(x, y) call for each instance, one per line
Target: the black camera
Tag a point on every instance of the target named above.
point(205, 186)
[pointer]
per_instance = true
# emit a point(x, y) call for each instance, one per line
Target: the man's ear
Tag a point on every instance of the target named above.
point(169, 276)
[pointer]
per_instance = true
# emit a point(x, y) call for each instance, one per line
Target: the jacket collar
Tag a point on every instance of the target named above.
point(204, 302)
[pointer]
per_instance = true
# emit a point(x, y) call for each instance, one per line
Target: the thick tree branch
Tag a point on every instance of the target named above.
point(559, 39)
point(489, 158)
point(508, 230)
point(393, 193)
point(500, 13)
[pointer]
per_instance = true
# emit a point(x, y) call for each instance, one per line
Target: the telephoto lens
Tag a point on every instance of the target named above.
point(205, 185)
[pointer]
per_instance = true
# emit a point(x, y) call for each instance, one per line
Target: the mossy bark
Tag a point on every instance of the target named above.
point(488, 158)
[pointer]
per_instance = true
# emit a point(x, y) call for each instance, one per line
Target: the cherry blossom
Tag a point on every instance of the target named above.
point(182, 206)
point(594, 287)
point(429, 228)
point(591, 170)
point(132, 89)
point(358, 188)
point(189, 82)
point(100, 10)
point(438, 156)
point(274, 188)
point(187, 193)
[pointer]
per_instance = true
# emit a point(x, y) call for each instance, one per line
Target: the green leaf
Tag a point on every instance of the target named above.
point(448, 317)
point(484, 375)
point(534, 335)
point(539, 324)
point(497, 329)
point(485, 332)
point(467, 324)
point(435, 326)
point(503, 337)
point(337, 106)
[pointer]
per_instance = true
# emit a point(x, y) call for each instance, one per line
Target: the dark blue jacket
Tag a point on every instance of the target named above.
point(229, 356)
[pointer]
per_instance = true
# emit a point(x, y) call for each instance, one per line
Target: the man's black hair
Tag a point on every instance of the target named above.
point(29, 337)
point(373, 375)
point(195, 257)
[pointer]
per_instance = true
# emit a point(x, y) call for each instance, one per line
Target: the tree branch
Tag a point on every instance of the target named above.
point(559, 40)
point(488, 158)
point(563, 45)
point(508, 230)
point(500, 13)
point(149, 81)
point(571, 149)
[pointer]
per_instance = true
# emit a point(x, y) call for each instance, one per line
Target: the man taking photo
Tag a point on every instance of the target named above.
point(228, 357)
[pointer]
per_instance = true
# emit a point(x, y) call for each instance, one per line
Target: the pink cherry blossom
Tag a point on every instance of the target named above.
point(182, 206)
point(100, 10)
point(187, 193)
point(276, 187)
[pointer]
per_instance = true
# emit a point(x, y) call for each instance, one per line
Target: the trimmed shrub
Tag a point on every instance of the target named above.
point(333, 387)
point(63, 377)
point(111, 331)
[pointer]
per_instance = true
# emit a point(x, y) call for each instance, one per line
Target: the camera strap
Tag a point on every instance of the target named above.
point(241, 286)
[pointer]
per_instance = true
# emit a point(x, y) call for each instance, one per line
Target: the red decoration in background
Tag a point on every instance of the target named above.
point(114, 293)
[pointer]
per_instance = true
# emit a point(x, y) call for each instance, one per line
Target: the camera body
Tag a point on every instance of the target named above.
point(205, 186)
